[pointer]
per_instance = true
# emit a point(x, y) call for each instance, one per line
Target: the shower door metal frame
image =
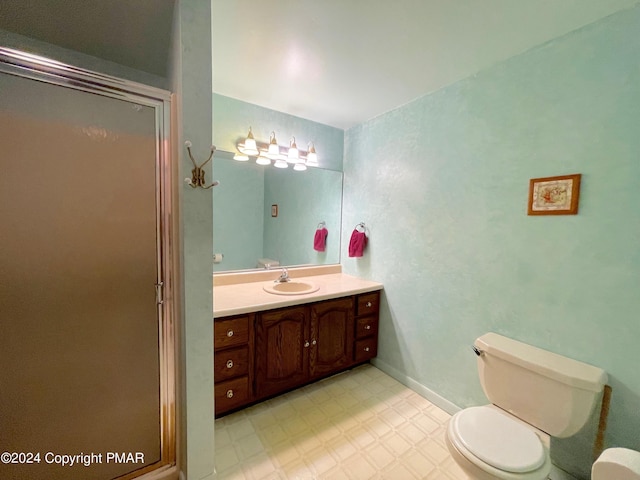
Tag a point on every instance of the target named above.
point(34, 67)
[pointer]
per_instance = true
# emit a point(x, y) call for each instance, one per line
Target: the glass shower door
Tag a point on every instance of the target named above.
point(80, 259)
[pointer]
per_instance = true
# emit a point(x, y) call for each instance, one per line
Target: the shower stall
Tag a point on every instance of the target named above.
point(87, 346)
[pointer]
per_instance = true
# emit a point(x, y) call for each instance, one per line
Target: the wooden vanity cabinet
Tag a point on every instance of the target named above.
point(331, 336)
point(233, 362)
point(282, 350)
point(367, 316)
point(289, 347)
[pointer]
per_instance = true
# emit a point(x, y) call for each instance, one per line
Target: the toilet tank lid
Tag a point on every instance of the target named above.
point(560, 368)
point(268, 261)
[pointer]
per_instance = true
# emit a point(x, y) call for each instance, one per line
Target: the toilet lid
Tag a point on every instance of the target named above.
point(498, 440)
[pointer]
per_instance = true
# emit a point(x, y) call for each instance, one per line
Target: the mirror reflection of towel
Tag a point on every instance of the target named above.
point(320, 239)
point(357, 243)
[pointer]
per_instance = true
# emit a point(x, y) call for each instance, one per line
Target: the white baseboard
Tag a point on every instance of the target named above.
point(417, 387)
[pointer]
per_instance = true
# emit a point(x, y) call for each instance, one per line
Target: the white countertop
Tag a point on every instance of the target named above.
point(238, 298)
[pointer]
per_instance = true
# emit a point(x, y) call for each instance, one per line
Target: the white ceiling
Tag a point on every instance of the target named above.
point(341, 62)
point(337, 62)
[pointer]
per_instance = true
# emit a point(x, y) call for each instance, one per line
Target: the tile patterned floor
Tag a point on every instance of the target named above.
point(359, 425)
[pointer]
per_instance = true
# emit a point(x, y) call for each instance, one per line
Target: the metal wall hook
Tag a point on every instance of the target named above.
point(197, 174)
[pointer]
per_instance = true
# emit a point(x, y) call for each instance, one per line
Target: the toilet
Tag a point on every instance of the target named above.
point(534, 394)
point(268, 263)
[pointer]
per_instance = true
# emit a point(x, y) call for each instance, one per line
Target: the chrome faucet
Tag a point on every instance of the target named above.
point(284, 276)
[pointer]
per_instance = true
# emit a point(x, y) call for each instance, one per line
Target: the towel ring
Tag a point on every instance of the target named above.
point(322, 224)
point(361, 227)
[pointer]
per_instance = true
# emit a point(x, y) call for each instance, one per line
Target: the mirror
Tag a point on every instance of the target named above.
point(263, 212)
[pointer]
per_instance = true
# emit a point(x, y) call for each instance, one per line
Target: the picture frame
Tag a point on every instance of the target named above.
point(554, 195)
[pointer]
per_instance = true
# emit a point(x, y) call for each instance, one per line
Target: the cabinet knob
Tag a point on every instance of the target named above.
point(313, 342)
point(366, 349)
point(306, 344)
point(229, 333)
point(229, 393)
point(229, 363)
point(368, 305)
point(367, 327)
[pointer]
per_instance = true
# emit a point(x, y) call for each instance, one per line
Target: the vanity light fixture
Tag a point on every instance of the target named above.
point(293, 155)
point(281, 163)
point(262, 160)
point(274, 149)
point(266, 153)
point(241, 157)
point(299, 166)
point(312, 157)
point(250, 146)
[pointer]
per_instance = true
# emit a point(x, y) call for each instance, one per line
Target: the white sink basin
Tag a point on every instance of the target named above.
point(290, 288)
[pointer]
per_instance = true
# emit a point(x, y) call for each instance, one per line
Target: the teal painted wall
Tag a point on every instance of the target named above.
point(191, 80)
point(442, 184)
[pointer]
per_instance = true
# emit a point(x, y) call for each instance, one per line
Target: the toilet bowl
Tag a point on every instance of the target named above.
point(618, 464)
point(488, 444)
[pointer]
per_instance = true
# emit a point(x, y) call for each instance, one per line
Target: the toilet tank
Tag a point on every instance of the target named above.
point(553, 393)
point(268, 263)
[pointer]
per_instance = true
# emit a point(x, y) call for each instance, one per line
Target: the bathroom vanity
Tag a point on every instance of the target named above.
point(267, 344)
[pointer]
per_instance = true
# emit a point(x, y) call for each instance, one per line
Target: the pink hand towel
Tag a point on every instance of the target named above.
point(320, 239)
point(357, 243)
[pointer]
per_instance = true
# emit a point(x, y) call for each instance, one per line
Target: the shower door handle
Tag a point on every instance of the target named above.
point(159, 299)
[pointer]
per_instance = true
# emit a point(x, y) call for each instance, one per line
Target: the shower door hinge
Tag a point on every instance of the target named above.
point(159, 293)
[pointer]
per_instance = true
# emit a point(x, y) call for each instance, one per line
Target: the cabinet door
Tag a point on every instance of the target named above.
point(332, 327)
point(282, 350)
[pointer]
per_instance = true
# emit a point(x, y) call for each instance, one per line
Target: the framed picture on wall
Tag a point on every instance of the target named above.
point(554, 195)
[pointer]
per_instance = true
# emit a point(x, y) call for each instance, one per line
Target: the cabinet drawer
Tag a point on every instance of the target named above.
point(231, 363)
point(229, 333)
point(367, 326)
point(366, 349)
point(368, 303)
point(231, 394)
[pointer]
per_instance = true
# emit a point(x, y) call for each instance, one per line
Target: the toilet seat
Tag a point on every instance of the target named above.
point(495, 444)
point(499, 441)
